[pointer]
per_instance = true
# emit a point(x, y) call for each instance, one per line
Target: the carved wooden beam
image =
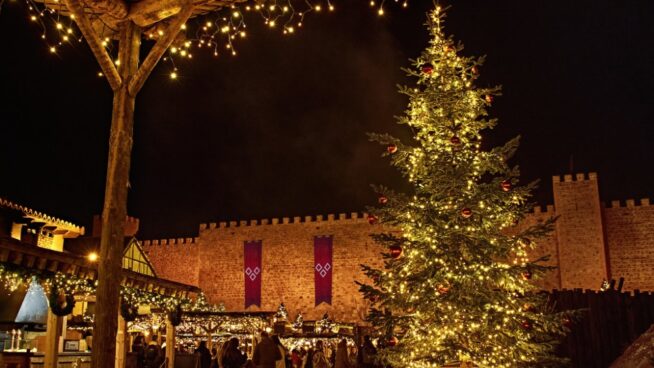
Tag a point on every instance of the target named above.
point(159, 48)
point(115, 8)
point(148, 12)
point(106, 64)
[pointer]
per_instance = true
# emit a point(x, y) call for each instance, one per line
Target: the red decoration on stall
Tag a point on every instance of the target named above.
point(391, 148)
point(506, 185)
point(383, 200)
point(466, 212)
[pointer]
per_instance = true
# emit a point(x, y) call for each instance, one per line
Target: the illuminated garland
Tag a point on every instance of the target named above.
point(215, 31)
point(12, 278)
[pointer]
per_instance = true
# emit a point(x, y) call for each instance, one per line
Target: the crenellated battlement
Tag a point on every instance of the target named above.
point(173, 241)
point(538, 209)
point(591, 176)
point(629, 203)
point(330, 218)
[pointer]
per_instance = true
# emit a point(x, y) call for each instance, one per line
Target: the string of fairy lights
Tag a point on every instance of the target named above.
point(15, 278)
point(215, 33)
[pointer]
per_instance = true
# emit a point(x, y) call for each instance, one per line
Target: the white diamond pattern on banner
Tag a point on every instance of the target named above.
point(322, 270)
point(252, 273)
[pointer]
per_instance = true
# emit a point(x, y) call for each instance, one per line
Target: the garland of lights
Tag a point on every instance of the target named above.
point(12, 278)
point(214, 31)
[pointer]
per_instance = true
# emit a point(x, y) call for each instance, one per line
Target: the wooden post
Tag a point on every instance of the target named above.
point(114, 211)
point(53, 329)
point(121, 342)
point(170, 343)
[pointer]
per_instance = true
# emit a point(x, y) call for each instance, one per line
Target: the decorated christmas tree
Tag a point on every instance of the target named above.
point(457, 283)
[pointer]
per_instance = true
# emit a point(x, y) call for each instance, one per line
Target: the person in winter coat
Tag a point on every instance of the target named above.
point(308, 359)
point(266, 353)
point(204, 354)
point(342, 356)
point(281, 363)
point(232, 356)
point(319, 359)
point(367, 354)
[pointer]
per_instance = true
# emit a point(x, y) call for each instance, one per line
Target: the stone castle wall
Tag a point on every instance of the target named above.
point(590, 243)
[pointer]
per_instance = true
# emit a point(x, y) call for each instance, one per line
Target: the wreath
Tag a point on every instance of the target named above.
point(61, 304)
point(175, 316)
point(128, 311)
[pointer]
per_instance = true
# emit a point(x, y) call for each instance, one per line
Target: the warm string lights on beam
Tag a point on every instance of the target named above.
point(216, 32)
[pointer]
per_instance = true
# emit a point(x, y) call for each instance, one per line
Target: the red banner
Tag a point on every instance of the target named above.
point(323, 267)
point(252, 271)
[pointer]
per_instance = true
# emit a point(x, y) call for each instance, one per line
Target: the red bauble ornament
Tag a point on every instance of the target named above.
point(396, 251)
point(526, 275)
point(392, 341)
point(527, 325)
point(391, 148)
point(567, 322)
point(427, 69)
point(528, 307)
point(455, 140)
point(443, 289)
point(475, 70)
point(372, 219)
point(382, 200)
point(506, 185)
point(489, 98)
point(466, 212)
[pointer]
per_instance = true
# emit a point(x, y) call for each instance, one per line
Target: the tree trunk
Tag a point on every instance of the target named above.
point(114, 211)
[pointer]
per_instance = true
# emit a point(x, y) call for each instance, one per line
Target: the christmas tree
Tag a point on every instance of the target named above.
point(457, 283)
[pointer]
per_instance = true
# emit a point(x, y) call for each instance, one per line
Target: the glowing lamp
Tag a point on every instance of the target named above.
point(93, 257)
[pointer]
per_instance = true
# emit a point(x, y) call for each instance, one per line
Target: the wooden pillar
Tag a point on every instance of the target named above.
point(53, 330)
point(121, 342)
point(114, 211)
point(170, 343)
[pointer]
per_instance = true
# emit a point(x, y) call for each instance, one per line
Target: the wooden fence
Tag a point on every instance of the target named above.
point(611, 322)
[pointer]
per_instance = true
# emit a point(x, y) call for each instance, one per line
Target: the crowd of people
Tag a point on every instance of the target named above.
point(271, 353)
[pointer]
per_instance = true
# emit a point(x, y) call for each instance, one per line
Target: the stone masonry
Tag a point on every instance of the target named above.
point(591, 242)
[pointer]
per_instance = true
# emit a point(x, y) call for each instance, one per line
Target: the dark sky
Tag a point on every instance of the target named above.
point(280, 130)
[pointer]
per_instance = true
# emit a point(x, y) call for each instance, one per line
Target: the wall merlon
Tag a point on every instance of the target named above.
point(581, 177)
point(354, 215)
point(631, 203)
point(212, 225)
point(264, 222)
point(232, 224)
point(319, 218)
point(330, 217)
point(567, 178)
point(222, 224)
point(275, 221)
point(342, 216)
point(286, 220)
point(644, 201)
point(254, 222)
point(549, 208)
point(243, 223)
point(615, 204)
point(203, 227)
point(308, 218)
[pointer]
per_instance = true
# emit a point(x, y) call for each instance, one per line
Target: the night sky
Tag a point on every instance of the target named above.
point(280, 130)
